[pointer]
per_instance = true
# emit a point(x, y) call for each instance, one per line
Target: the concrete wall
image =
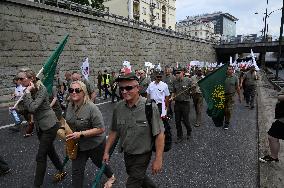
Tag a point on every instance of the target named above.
point(29, 32)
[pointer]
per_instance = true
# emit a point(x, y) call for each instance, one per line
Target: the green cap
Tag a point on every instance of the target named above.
point(129, 76)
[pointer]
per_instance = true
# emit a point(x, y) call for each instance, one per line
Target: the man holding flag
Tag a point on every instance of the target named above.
point(231, 87)
point(218, 90)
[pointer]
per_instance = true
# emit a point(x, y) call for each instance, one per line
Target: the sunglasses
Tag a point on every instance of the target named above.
point(21, 79)
point(127, 88)
point(77, 90)
point(159, 76)
point(178, 72)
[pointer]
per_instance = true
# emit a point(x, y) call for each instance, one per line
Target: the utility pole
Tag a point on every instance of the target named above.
point(264, 38)
point(280, 43)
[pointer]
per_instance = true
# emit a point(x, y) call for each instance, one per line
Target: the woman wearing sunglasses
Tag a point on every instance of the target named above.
point(36, 102)
point(86, 122)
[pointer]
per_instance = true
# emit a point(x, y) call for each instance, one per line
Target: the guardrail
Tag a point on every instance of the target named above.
point(277, 83)
point(87, 9)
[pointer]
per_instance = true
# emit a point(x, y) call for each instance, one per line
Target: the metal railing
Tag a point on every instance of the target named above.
point(87, 9)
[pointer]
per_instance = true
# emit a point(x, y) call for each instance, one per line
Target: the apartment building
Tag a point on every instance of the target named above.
point(161, 13)
point(209, 25)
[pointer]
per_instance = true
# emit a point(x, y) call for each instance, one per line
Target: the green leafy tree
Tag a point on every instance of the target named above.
point(98, 4)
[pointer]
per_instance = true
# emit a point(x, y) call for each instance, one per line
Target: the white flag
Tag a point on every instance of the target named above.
point(85, 69)
point(253, 60)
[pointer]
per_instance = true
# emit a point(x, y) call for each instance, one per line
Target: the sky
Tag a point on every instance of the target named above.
point(244, 10)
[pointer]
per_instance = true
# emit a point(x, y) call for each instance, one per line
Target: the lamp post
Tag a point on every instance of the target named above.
point(264, 38)
point(265, 31)
point(280, 43)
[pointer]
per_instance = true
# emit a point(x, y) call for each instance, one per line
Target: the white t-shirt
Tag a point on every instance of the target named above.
point(158, 92)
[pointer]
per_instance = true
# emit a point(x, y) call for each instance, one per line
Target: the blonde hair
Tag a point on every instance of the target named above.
point(84, 89)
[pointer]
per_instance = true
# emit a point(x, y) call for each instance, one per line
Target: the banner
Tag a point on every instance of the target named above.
point(86, 69)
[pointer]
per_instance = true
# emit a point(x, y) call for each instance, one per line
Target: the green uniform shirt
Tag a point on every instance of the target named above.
point(169, 79)
point(132, 126)
point(90, 87)
point(37, 103)
point(144, 83)
point(250, 79)
point(86, 117)
point(181, 88)
point(231, 83)
point(195, 87)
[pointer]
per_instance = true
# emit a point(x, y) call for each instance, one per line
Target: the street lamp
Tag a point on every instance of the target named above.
point(280, 43)
point(265, 33)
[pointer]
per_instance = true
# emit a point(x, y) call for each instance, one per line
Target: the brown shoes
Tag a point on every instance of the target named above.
point(29, 129)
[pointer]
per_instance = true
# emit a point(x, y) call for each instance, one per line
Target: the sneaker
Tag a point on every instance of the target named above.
point(197, 125)
point(59, 176)
point(28, 135)
point(110, 182)
point(5, 172)
point(251, 107)
point(29, 129)
point(247, 105)
point(226, 126)
point(268, 158)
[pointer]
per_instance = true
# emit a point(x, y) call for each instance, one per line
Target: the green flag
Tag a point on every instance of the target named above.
point(49, 67)
point(213, 90)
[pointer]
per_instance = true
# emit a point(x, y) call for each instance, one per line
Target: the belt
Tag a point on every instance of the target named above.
point(182, 101)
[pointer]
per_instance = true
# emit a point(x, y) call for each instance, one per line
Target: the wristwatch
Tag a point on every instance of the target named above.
point(82, 135)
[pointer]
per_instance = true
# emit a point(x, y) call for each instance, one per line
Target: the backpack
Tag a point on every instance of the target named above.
point(168, 134)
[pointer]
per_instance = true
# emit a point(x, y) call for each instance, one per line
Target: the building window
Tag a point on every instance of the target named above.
point(158, 5)
point(195, 33)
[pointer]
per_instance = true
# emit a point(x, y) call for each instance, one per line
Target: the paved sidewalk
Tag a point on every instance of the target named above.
point(272, 174)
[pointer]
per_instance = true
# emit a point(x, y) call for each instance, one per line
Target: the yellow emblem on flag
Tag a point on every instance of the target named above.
point(218, 96)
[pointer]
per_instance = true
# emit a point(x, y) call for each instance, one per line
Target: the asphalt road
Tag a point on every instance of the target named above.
point(213, 157)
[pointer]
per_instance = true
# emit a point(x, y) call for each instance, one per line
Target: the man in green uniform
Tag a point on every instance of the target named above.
point(130, 124)
point(231, 87)
point(143, 83)
point(169, 79)
point(250, 78)
point(197, 95)
point(181, 96)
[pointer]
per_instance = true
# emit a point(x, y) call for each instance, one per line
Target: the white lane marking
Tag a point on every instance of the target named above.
point(11, 125)
point(103, 103)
